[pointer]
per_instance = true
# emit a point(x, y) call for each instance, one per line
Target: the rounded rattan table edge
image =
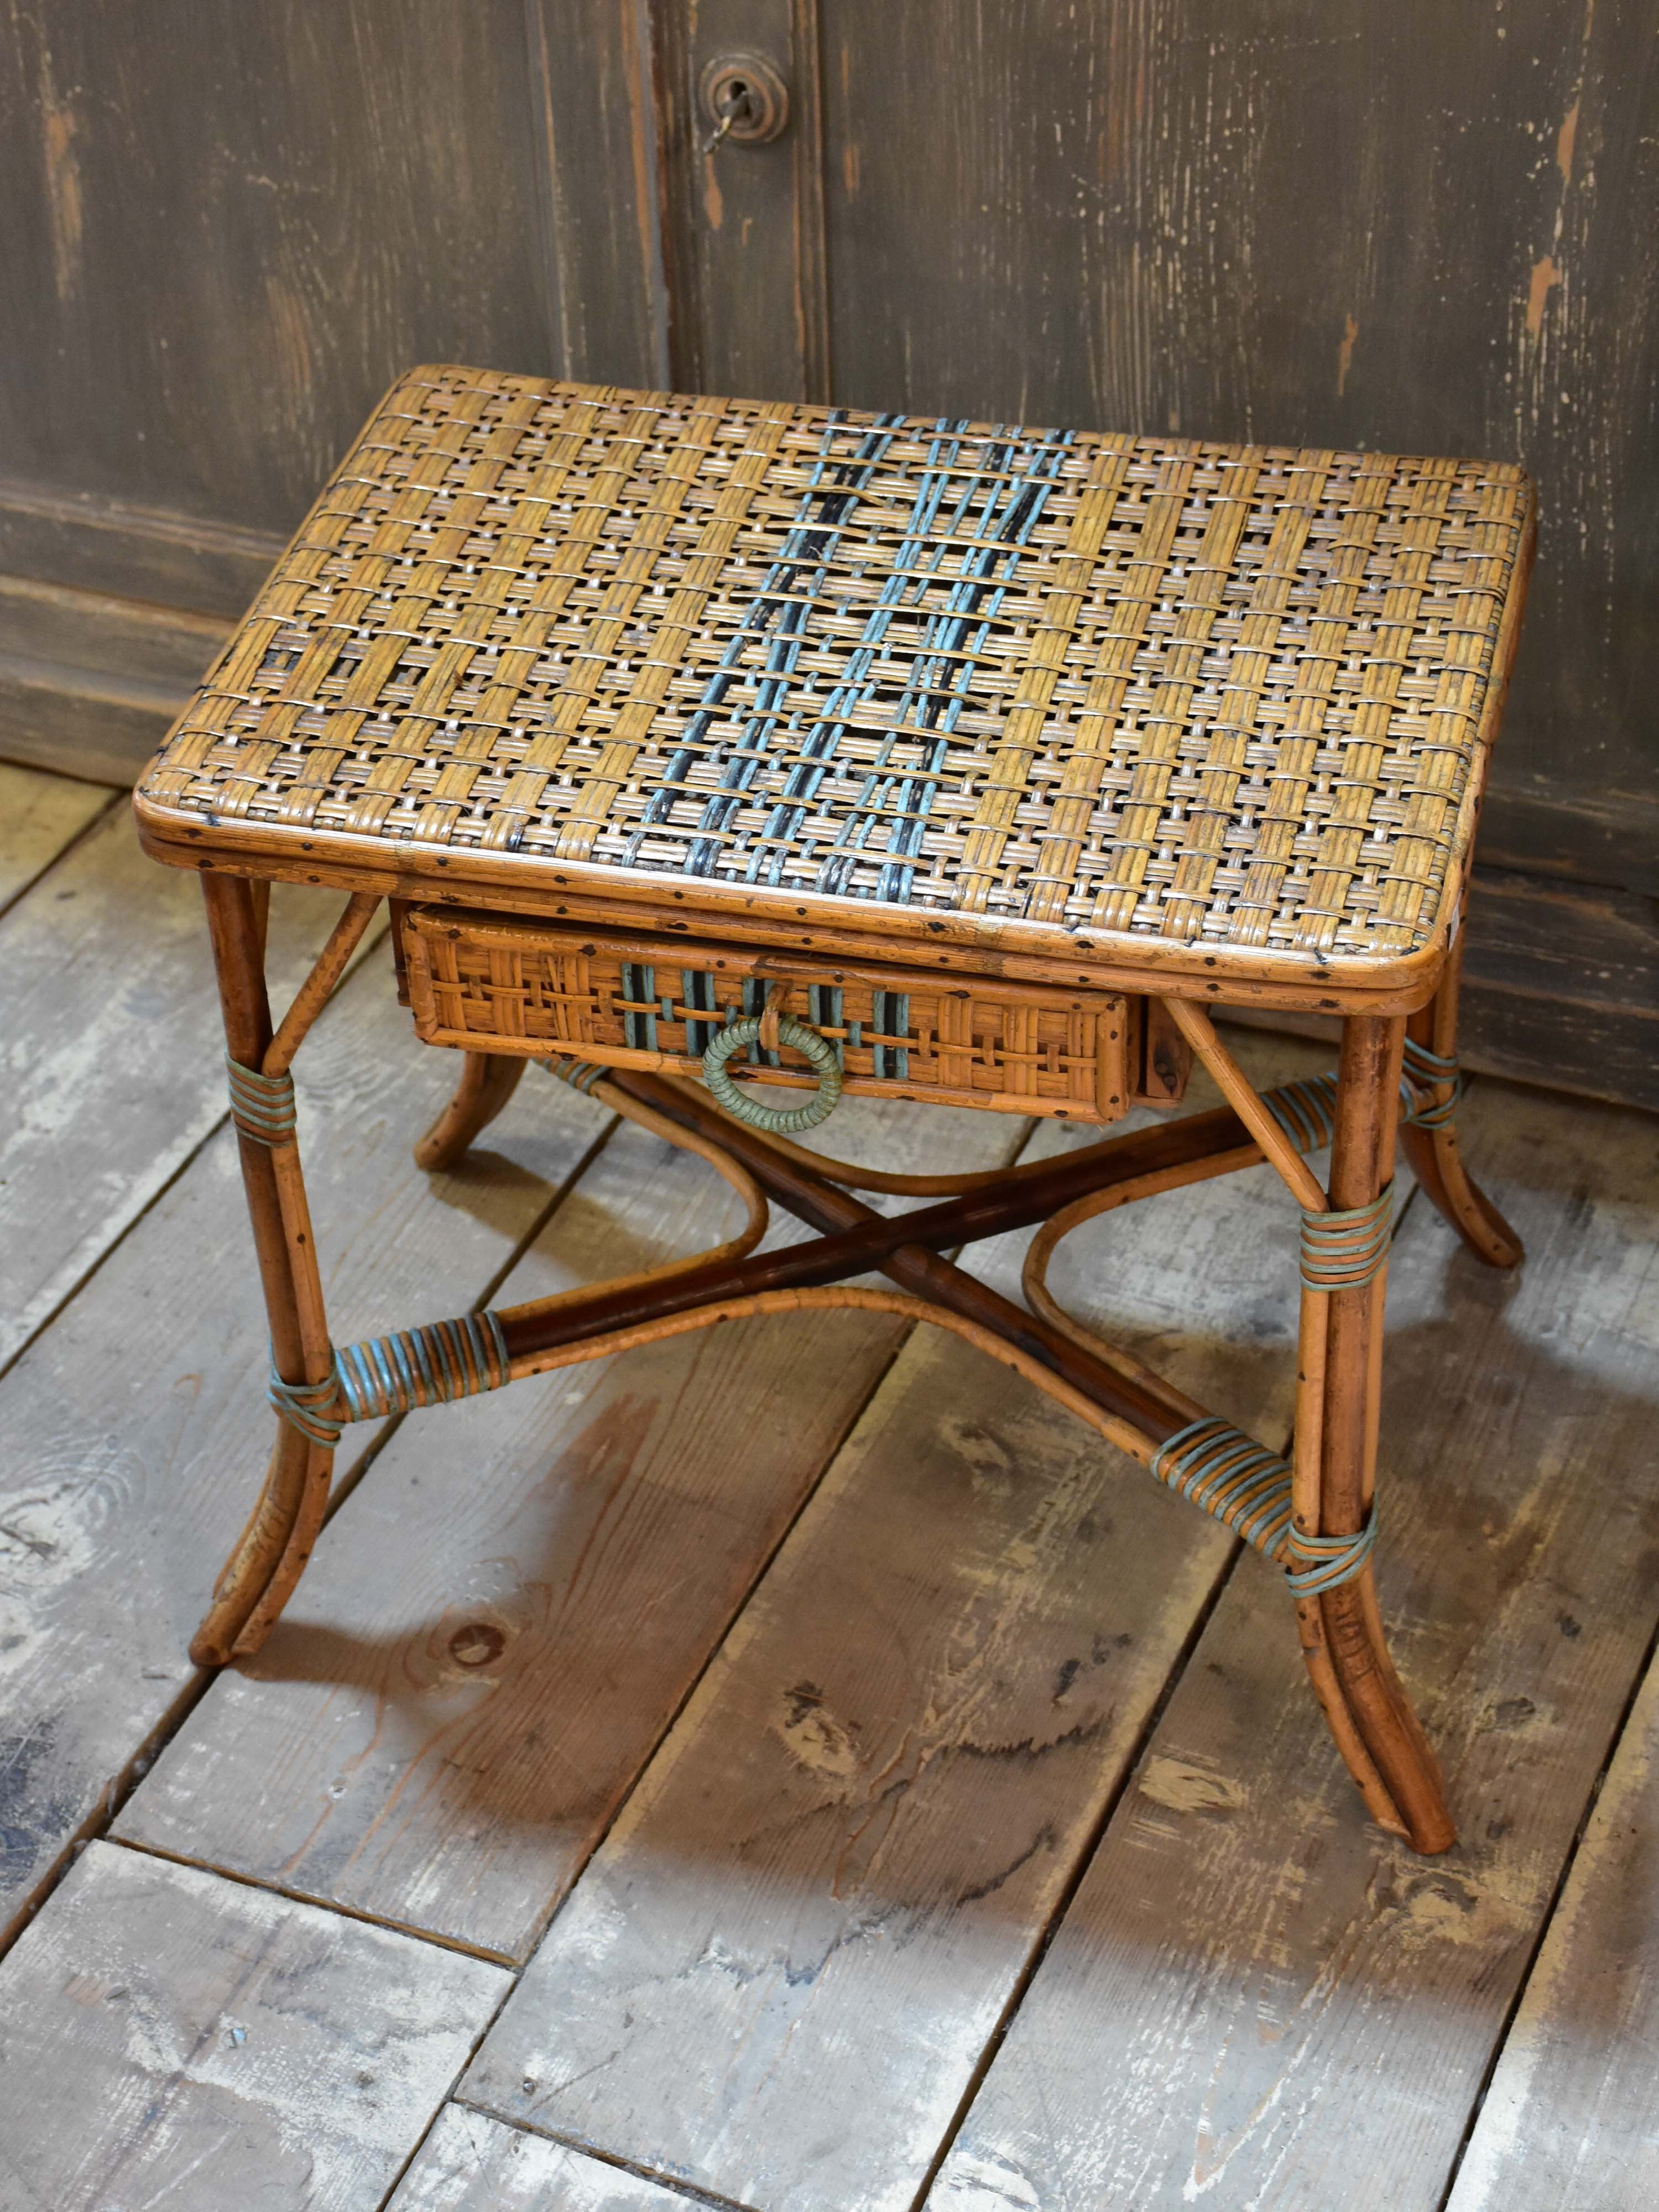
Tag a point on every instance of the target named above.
point(424, 373)
point(1379, 983)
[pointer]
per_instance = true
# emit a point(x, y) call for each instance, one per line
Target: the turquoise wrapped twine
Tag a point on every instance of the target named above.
point(426, 1366)
point(1229, 1475)
point(432, 1365)
point(1306, 1111)
point(1346, 1250)
point(1428, 1070)
point(1248, 1489)
point(308, 1406)
point(581, 1074)
point(262, 1106)
point(1331, 1561)
point(778, 1120)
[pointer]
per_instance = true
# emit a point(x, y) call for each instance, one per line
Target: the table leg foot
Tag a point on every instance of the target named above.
point(1370, 1713)
point(488, 1081)
point(276, 1542)
point(270, 1555)
point(1431, 1146)
point(1376, 1726)
point(1458, 1199)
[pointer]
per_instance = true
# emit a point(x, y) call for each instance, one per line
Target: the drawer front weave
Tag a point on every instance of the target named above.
point(540, 988)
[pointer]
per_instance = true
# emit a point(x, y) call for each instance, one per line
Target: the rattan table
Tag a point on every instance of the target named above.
point(826, 751)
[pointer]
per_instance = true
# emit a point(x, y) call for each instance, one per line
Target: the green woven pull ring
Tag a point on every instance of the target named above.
point(777, 1120)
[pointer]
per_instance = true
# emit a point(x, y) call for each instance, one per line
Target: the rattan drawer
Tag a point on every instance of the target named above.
point(493, 985)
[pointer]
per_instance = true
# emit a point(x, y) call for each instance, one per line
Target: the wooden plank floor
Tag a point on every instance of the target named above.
point(795, 1768)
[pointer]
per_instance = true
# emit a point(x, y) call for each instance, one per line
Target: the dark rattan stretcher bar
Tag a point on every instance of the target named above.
point(725, 757)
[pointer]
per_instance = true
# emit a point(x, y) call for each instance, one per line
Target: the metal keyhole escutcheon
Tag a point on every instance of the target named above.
point(744, 100)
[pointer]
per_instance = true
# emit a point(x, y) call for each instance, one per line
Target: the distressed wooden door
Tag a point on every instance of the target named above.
point(1392, 224)
point(1389, 223)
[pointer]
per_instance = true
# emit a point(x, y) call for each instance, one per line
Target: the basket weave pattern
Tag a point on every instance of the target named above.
point(539, 990)
point(1204, 694)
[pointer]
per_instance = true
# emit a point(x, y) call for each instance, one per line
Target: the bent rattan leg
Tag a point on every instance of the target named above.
point(270, 1555)
point(489, 1081)
point(1431, 1144)
point(1370, 1713)
point(274, 1546)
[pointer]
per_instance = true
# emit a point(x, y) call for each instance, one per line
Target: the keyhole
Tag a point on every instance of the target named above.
point(744, 101)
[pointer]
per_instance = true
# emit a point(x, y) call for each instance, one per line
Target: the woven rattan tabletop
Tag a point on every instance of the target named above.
point(1217, 709)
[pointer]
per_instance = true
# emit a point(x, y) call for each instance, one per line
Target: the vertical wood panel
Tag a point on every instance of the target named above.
point(1394, 226)
point(591, 80)
point(811, 243)
point(747, 249)
point(234, 226)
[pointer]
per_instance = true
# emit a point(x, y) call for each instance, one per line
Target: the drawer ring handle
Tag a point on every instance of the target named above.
point(777, 1120)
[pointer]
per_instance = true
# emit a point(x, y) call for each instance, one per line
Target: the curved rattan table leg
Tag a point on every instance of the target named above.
point(1453, 1192)
point(1371, 1715)
point(1431, 1144)
point(488, 1080)
point(258, 1565)
point(266, 1560)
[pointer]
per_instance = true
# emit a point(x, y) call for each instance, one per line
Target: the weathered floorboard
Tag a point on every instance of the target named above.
point(1572, 2116)
point(506, 1615)
point(168, 2038)
point(776, 1978)
point(1255, 1999)
point(39, 816)
point(471, 2163)
point(136, 1427)
point(112, 1056)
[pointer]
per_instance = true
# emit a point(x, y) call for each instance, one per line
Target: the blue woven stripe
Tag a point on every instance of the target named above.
point(994, 509)
point(825, 506)
point(944, 664)
point(819, 747)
